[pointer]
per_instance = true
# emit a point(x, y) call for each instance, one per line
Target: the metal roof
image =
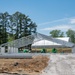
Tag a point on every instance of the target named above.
point(49, 42)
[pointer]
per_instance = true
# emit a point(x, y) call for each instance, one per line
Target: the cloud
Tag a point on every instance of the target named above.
point(45, 23)
point(72, 21)
point(59, 27)
point(61, 24)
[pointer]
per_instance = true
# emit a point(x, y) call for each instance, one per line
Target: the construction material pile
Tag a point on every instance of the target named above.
point(24, 66)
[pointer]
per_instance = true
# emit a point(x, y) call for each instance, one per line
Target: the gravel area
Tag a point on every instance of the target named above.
point(60, 64)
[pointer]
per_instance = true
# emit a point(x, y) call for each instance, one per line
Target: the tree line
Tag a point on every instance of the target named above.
point(69, 33)
point(15, 26)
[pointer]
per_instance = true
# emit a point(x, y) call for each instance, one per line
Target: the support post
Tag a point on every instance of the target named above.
point(12, 50)
point(15, 50)
point(73, 49)
point(2, 50)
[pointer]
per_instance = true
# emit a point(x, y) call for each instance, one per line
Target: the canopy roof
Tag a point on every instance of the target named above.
point(44, 42)
point(24, 41)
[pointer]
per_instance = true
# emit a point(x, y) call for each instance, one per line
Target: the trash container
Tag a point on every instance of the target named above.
point(54, 50)
point(25, 51)
point(43, 51)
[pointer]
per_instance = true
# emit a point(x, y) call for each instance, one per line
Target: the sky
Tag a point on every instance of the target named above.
point(47, 14)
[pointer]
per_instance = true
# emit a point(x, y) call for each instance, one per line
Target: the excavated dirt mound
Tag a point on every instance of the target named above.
point(24, 66)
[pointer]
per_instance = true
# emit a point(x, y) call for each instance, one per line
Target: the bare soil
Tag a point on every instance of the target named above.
point(23, 66)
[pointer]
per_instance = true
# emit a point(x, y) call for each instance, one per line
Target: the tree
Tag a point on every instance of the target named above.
point(71, 33)
point(57, 33)
point(23, 25)
point(1, 34)
point(11, 29)
point(15, 26)
point(32, 28)
point(4, 26)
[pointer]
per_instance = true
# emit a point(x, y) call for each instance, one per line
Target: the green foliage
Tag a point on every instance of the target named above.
point(10, 37)
point(15, 26)
point(71, 33)
point(56, 33)
point(23, 25)
point(4, 17)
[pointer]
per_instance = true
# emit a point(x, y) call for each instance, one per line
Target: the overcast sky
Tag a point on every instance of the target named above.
point(48, 14)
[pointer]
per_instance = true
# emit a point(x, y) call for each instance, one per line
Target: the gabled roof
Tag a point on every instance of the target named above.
point(49, 42)
point(24, 41)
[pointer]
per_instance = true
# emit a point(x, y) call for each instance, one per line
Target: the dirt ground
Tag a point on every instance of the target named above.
point(23, 66)
point(49, 50)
